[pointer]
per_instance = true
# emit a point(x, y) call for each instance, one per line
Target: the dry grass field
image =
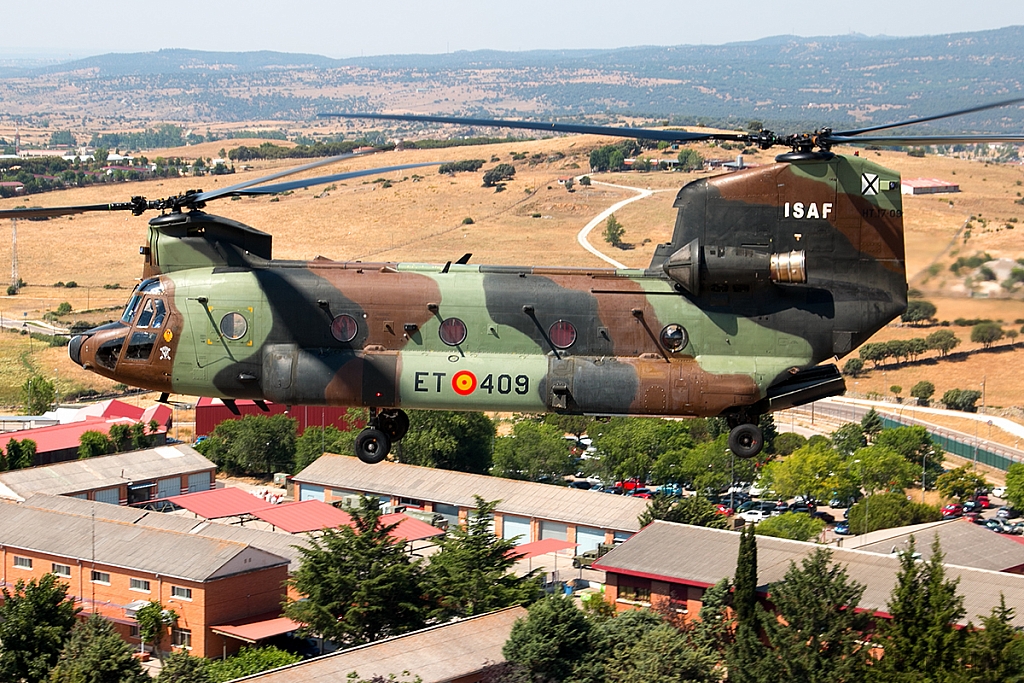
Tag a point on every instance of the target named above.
point(534, 221)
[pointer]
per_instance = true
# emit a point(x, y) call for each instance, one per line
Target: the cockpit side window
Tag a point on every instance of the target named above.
point(129, 310)
point(159, 313)
point(147, 315)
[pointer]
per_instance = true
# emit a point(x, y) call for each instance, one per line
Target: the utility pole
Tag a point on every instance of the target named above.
point(14, 252)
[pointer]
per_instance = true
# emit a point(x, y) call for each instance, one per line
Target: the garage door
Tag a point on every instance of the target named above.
point(199, 482)
point(513, 526)
point(112, 496)
point(588, 538)
point(165, 488)
point(449, 512)
point(310, 492)
point(556, 530)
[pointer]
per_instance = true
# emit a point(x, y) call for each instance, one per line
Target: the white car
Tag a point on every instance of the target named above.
point(999, 492)
point(754, 515)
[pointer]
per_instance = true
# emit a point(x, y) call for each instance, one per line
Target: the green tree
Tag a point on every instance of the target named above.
point(812, 472)
point(472, 572)
point(986, 334)
point(794, 526)
point(871, 423)
point(499, 173)
point(35, 623)
point(918, 311)
point(995, 652)
point(249, 661)
point(613, 231)
point(888, 511)
point(119, 436)
point(449, 440)
point(942, 341)
point(690, 160)
point(255, 444)
point(153, 621)
point(961, 399)
point(93, 443)
point(95, 653)
point(616, 160)
point(819, 637)
point(747, 656)
point(181, 667)
point(917, 446)
point(921, 640)
point(629, 446)
point(577, 425)
point(20, 454)
point(788, 442)
point(854, 367)
point(316, 441)
point(694, 510)
point(922, 391)
point(960, 483)
point(37, 395)
point(534, 452)
point(1015, 485)
point(663, 654)
point(359, 583)
point(585, 181)
point(849, 438)
point(879, 467)
point(551, 640)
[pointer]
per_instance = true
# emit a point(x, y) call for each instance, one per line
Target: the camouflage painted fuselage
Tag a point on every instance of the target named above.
point(532, 339)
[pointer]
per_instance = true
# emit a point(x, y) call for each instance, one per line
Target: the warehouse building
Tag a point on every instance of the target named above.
point(927, 186)
point(527, 510)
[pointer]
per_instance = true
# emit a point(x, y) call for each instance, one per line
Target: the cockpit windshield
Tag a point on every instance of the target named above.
point(148, 287)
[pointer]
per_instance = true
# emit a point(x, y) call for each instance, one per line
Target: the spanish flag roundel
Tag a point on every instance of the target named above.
point(464, 383)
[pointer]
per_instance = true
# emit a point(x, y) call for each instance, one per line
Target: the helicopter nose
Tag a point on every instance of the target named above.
point(75, 347)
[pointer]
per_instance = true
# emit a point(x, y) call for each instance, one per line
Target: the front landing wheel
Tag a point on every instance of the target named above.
point(746, 440)
point(372, 445)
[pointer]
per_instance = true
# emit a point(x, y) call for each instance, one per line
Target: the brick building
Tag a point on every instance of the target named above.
point(115, 567)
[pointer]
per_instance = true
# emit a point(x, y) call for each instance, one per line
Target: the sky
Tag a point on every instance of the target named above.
point(63, 29)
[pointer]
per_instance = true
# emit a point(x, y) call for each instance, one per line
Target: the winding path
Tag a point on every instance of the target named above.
point(581, 236)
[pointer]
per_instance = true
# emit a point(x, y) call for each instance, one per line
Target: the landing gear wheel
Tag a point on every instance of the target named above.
point(746, 440)
point(372, 445)
point(394, 423)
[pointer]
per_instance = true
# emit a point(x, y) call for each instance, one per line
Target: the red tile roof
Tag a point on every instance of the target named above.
point(255, 629)
point(542, 547)
point(216, 503)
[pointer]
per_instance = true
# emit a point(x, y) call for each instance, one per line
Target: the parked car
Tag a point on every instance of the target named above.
point(780, 507)
point(801, 507)
point(842, 528)
point(642, 493)
point(982, 500)
point(973, 506)
point(952, 510)
point(589, 557)
point(1007, 512)
point(755, 515)
point(999, 492)
point(999, 526)
point(723, 510)
point(824, 516)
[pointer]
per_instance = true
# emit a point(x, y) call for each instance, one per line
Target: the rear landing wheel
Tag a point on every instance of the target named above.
point(372, 445)
point(746, 440)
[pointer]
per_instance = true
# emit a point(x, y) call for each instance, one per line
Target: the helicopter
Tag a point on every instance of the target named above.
point(771, 271)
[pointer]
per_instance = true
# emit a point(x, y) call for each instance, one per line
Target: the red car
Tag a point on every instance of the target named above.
point(723, 510)
point(952, 510)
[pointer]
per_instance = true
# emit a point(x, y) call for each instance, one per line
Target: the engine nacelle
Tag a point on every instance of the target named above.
point(695, 267)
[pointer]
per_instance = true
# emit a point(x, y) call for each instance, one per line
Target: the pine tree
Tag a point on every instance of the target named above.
point(818, 639)
point(662, 654)
point(181, 667)
point(551, 640)
point(360, 584)
point(921, 638)
point(996, 651)
point(96, 654)
point(746, 657)
point(472, 572)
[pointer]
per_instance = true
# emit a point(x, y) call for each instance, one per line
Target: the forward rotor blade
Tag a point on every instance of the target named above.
point(917, 140)
point(322, 180)
point(642, 133)
point(56, 211)
point(233, 189)
point(936, 117)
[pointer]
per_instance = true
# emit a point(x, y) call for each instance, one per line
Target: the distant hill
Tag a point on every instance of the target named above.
point(782, 81)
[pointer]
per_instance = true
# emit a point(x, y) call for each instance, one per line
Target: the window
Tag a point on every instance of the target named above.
point(146, 316)
point(344, 328)
point(133, 631)
point(181, 637)
point(634, 594)
point(100, 577)
point(562, 334)
point(233, 326)
point(139, 585)
point(141, 346)
point(180, 592)
point(674, 337)
point(62, 570)
point(453, 332)
point(23, 562)
point(108, 353)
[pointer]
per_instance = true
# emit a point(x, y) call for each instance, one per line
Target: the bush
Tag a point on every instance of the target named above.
point(12, 290)
point(64, 308)
point(962, 399)
point(889, 510)
point(456, 166)
point(70, 284)
point(499, 173)
point(796, 526)
point(467, 221)
point(922, 391)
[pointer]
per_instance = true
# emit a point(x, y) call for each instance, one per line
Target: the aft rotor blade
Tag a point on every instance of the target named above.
point(642, 133)
point(56, 211)
point(916, 140)
point(321, 180)
point(234, 189)
point(936, 117)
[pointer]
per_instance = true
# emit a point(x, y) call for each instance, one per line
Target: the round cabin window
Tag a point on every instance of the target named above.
point(344, 328)
point(453, 331)
point(562, 334)
point(674, 337)
point(233, 326)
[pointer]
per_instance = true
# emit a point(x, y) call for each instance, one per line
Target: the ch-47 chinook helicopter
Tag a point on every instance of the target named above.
point(770, 272)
